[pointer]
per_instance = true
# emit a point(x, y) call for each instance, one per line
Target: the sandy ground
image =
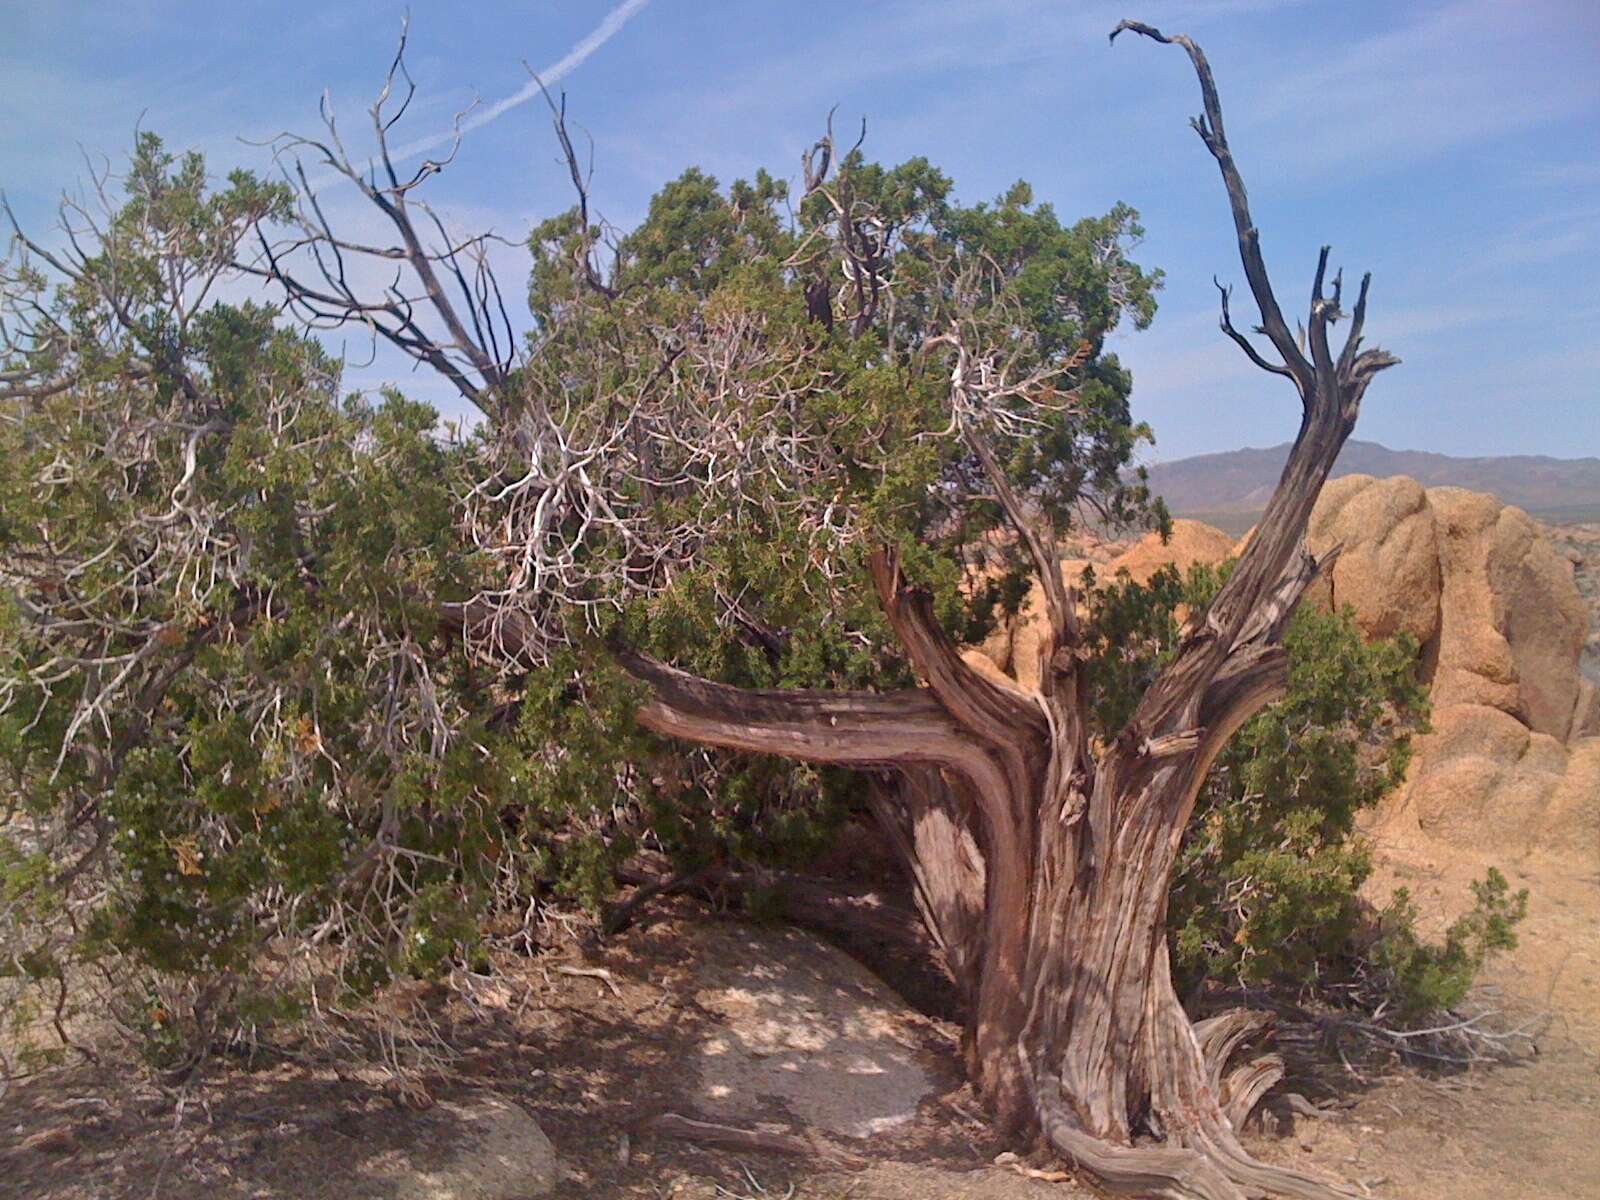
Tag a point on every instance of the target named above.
point(689, 1028)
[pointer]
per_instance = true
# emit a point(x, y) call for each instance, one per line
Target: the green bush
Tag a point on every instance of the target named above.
point(1268, 884)
point(249, 770)
point(243, 760)
point(1421, 978)
point(251, 773)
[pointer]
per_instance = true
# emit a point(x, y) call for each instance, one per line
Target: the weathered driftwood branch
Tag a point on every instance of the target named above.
point(762, 1141)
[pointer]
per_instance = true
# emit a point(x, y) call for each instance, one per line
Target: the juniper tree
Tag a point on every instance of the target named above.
point(749, 483)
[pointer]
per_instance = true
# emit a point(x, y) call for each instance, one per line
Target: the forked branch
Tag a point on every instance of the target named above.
point(437, 280)
point(1254, 605)
point(584, 263)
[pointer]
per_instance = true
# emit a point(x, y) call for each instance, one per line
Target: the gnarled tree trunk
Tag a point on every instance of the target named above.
point(1041, 860)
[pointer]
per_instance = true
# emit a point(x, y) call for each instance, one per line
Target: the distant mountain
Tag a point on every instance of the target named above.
point(1231, 489)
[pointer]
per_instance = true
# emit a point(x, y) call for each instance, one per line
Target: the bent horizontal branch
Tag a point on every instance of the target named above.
point(1244, 1087)
point(861, 729)
point(844, 728)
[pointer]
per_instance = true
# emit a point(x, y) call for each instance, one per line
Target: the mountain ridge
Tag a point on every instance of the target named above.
point(1231, 488)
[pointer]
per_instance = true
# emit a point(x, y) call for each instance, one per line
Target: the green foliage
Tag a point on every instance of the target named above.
point(247, 765)
point(1270, 870)
point(1424, 978)
point(230, 719)
point(250, 765)
point(873, 405)
point(1130, 634)
point(1268, 883)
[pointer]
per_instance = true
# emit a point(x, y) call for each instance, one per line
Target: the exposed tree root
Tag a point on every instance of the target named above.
point(731, 1137)
point(1154, 1171)
point(1244, 1087)
point(1197, 1105)
point(1204, 1165)
point(1219, 1037)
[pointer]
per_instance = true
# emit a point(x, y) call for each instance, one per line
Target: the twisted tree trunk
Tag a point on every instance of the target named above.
point(1042, 861)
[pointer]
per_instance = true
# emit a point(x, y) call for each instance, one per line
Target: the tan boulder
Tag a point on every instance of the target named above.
point(1476, 582)
point(1191, 542)
point(980, 661)
point(1511, 621)
point(1482, 781)
point(1505, 770)
point(1572, 819)
point(1508, 769)
point(994, 649)
point(1388, 568)
point(1467, 730)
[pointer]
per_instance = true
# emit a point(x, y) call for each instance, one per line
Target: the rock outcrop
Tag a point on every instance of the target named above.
point(1013, 649)
point(1512, 765)
point(1191, 542)
point(1509, 766)
point(1389, 569)
point(801, 1029)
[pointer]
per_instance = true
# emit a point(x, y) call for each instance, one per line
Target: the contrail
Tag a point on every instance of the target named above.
point(557, 71)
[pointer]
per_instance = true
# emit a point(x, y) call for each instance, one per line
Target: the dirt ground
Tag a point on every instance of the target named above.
point(592, 1063)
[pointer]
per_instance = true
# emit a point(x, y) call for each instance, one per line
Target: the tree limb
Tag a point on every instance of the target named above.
point(1226, 323)
point(479, 341)
point(994, 714)
point(1210, 128)
point(1039, 538)
point(847, 728)
point(1252, 608)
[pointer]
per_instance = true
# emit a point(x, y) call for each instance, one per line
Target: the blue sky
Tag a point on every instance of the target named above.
point(1452, 147)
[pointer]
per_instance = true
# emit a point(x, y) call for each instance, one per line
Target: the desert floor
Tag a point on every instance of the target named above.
point(763, 1028)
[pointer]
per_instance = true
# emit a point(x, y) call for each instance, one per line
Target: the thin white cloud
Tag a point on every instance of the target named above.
point(1563, 175)
point(553, 74)
point(1459, 74)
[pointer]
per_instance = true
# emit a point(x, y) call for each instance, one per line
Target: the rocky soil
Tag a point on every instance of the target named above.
point(566, 1059)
